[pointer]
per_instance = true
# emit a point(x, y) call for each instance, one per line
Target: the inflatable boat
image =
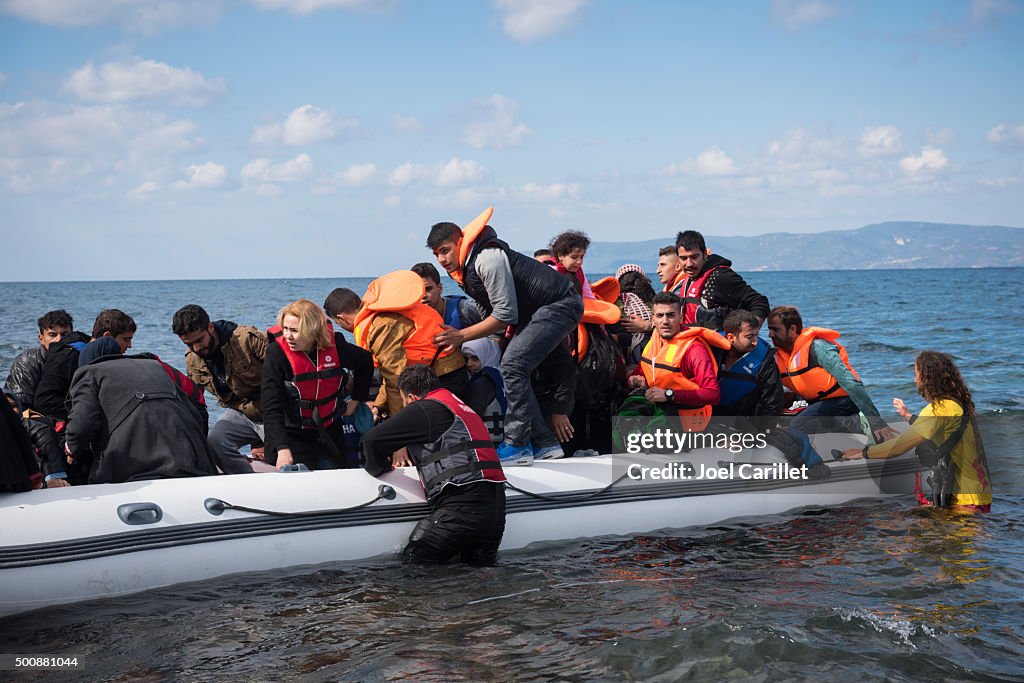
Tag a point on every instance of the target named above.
point(66, 545)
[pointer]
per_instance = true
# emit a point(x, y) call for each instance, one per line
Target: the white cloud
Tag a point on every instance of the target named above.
point(549, 193)
point(56, 143)
point(135, 78)
point(138, 15)
point(500, 129)
point(803, 146)
point(1006, 133)
point(143, 191)
point(445, 174)
point(711, 162)
point(1005, 181)
point(529, 20)
point(263, 170)
point(881, 141)
point(799, 14)
point(354, 176)
point(305, 125)
point(406, 124)
point(208, 176)
point(309, 6)
point(930, 159)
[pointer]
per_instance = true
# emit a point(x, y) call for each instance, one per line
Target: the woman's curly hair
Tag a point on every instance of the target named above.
point(939, 379)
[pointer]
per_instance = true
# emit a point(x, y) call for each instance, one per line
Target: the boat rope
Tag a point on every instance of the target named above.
point(217, 506)
point(565, 498)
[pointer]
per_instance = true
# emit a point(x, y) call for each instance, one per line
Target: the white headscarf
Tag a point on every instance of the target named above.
point(486, 350)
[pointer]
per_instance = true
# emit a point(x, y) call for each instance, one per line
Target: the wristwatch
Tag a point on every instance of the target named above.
point(670, 394)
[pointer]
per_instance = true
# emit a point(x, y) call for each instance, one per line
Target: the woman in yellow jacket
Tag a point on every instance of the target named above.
point(948, 423)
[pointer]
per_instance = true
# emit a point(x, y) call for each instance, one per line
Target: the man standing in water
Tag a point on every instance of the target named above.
point(457, 465)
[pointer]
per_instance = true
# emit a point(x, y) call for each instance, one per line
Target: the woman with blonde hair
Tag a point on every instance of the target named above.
point(305, 384)
point(946, 437)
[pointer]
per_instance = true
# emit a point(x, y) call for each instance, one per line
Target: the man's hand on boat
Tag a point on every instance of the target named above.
point(400, 458)
point(853, 454)
point(885, 433)
point(284, 457)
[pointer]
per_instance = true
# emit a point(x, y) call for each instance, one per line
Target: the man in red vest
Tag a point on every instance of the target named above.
point(457, 465)
point(712, 289)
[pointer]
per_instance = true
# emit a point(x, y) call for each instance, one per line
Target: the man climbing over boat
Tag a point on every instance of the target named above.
point(391, 322)
point(535, 306)
point(226, 359)
point(457, 465)
point(457, 311)
point(816, 368)
point(712, 288)
point(677, 368)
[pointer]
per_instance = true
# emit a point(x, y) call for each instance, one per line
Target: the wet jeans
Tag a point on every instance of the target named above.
point(548, 327)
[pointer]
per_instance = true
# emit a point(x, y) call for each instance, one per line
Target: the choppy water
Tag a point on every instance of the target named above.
point(868, 591)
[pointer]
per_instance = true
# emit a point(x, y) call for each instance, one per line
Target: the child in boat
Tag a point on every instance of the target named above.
point(486, 388)
point(569, 249)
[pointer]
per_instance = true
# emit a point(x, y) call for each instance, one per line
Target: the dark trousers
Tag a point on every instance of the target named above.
point(467, 523)
point(830, 415)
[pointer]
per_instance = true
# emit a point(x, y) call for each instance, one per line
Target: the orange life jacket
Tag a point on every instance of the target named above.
point(469, 235)
point(400, 292)
point(662, 368)
point(801, 373)
point(595, 311)
point(677, 285)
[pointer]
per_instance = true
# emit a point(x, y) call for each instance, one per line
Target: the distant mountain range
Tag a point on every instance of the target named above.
point(881, 246)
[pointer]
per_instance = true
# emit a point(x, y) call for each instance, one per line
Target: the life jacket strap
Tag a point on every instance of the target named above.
point(462, 469)
point(460, 447)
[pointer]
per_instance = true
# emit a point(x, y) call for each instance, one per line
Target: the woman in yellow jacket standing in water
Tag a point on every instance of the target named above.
point(945, 433)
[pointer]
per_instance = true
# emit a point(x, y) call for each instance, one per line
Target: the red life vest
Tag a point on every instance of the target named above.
point(691, 296)
point(462, 455)
point(317, 388)
point(801, 373)
point(662, 362)
point(677, 284)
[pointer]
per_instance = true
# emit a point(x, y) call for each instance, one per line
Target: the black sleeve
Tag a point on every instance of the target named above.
point(360, 362)
point(736, 294)
point(274, 398)
point(557, 374)
point(24, 377)
point(772, 399)
point(86, 417)
point(418, 423)
point(58, 369)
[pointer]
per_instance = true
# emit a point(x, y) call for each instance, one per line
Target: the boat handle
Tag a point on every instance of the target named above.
point(140, 513)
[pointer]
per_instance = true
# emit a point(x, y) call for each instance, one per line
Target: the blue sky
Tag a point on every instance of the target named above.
point(318, 138)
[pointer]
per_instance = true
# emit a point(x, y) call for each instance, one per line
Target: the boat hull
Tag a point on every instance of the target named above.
point(73, 544)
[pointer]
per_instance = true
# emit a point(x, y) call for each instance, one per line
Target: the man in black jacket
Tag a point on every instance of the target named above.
point(517, 292)
point(62, 360)
point(27, 368)
point(136, 422)
point(712, 288)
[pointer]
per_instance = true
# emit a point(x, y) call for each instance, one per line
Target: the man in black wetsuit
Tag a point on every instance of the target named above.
point(457, 465)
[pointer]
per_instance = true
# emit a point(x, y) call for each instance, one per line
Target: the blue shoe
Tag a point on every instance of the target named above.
point(548, 452)
point(515, 456)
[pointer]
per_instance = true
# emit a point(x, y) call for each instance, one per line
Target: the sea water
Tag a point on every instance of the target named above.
point(869, 591)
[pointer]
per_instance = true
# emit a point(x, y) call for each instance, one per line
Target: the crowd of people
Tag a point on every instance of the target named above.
point(532, 360)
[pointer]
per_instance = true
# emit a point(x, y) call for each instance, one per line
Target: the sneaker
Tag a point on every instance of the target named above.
point(548, 452)
point(515, 456)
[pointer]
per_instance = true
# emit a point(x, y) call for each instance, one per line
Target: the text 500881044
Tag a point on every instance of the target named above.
point(39, 662)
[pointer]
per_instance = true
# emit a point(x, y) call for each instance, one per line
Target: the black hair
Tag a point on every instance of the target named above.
point(542, 252)
point(667, 299)
point(637, 283)
point(734, 321)
point(568, 241)
point(442, 232)
point(342, 300)
point(428, 271)
point(114, 321)
point(54, 319)
point(189, 318)
point(690, 240)
point(788, 316)
point(418, 379)
point(670, 249)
